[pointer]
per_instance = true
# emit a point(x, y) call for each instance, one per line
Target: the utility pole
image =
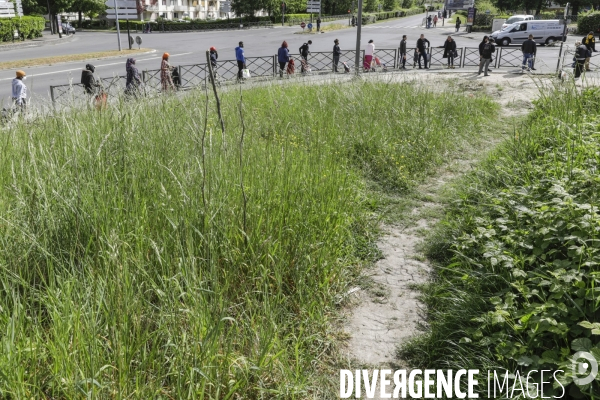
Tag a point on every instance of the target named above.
point(358, 31)
point(282, 14)
point(562, 40)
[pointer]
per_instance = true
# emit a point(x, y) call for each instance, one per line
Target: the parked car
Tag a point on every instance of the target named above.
point(517, 18)
point(68, 28)
point(544, 32)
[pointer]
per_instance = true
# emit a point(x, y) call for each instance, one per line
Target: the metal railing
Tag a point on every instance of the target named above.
point(195, 75)
point(193, 27)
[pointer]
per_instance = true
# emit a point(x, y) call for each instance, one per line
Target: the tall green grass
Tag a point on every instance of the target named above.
point(516, 286)
point(144, 254)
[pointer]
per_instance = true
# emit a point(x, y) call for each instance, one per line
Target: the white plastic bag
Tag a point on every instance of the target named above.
point(246, 73)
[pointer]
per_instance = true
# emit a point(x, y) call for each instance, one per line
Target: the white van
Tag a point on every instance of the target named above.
point(544, 32)
point(517, 18)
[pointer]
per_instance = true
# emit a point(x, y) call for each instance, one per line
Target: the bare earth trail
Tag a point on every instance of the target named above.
point(389, 313)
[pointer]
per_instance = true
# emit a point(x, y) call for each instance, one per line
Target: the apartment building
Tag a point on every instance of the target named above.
point(180, 9)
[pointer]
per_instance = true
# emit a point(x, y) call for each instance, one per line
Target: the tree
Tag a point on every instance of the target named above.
point(389, 5)
point(88, 7)
point(371, 5)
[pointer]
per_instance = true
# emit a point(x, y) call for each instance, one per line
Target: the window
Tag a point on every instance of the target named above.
point(164, 2)
point(175, 15)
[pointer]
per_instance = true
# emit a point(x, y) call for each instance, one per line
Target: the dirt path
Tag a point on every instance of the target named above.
point(388, 313)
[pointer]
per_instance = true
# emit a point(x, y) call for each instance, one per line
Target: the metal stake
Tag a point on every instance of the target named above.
point(358, 31)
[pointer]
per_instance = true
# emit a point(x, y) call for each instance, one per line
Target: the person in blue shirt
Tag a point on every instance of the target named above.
point(241, 59)
point(283, 56)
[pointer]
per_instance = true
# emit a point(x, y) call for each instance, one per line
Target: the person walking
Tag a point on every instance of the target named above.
point(304, 50)
point(337, 52)
point(486, 49)
point(403, 52)
point(450, 51)
point(590, 42)
point(369, 52)
point(214, 56)
point(134, 81)
point(581, 54)
point(457, 24)
point(429, 22)
point(353, 20)
point(319, 24)
point(88, 80)
point(19, 91)
point(283, 57)
point(421, 50)
point(166, 79)
point(435, 20)
point(529, 49)
point(241, 60)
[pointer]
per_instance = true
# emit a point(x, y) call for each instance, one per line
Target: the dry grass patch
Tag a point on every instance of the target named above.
point(33, 62)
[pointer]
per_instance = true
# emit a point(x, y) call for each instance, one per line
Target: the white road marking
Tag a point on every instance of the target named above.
point(97, 66)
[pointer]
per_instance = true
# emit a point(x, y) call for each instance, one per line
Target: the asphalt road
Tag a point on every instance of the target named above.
point(190, 48)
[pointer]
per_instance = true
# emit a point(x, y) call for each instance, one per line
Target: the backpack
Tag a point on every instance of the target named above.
point(582, 52)
point(487, 50)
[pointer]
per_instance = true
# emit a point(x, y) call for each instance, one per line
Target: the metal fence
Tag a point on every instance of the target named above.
point(194, 75)
point(189, 27)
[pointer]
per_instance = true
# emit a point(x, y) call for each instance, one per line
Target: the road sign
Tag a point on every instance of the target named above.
point(122, 11)
point(313, 6)
point(225, 7)
point(138, 40)
point(123, 17)
point(19, 7)
point(309, 26)
point(302, 25)
point(121, 3)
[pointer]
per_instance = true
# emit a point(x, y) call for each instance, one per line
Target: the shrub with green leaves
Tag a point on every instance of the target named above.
point(588, 22)
point(28, 27)
point(517, 284)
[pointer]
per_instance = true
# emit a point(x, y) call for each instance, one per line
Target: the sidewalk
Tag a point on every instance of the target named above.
point(46, 39)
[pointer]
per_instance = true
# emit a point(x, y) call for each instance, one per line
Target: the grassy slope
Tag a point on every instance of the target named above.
point(517, 253)
point(134, 265)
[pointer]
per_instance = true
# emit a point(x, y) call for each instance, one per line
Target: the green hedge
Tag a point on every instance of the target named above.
point(188, 26)
point(374, 17)
point(588, 22)
point(28, 27)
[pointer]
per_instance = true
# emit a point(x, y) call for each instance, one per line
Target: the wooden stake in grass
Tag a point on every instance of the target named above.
point(214, 85)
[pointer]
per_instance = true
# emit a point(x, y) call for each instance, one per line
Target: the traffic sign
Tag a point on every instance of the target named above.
point(121, 3)
point(138, 40)
point(313, 6)
point(124, 17)
point(122, 11)
point(309, 26)
point(302, 25)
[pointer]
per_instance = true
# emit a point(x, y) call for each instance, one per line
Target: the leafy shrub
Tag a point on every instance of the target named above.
point(588, 22)
point(28, 27)
point(519, 251)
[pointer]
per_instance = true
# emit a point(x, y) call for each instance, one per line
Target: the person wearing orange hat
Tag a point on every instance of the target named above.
point(19, 90)
point(166, 79)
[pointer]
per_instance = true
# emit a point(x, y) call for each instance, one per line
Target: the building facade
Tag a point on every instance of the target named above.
point(183, 9)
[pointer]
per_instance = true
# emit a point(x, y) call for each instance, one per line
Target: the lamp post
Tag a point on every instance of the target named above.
point(358, 31)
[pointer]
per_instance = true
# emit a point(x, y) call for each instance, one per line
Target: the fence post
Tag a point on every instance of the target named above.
point(274, 66)
point(144, 77)
point(52, 94)
point(180, 76)
point(396, 51)
point(498, 62)
point(461, 63)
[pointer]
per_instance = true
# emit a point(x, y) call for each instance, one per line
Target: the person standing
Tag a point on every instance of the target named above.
point(241, 60)
point(435, 20)
point(421, 50)
point(166, 79)
point(590, 42)
point(369, 52)
point(457, 24)
point(134, 81)
point(19, 91)
point(429, 22)
point(529, 49)
point(353, 20)
point(403, 52)
point(88, 80)
point(337, 52)
point(581, 54)
point(486, 49)
point(450, 51)
point(283, 57)
point(319, 24)
point(304, 50)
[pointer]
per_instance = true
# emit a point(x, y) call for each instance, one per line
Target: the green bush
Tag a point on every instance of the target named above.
point(516, 286)
point(28, 27)
point(588, 22)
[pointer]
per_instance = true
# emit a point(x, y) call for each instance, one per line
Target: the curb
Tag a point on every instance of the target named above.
point(36, 43)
